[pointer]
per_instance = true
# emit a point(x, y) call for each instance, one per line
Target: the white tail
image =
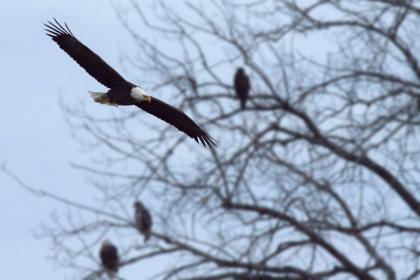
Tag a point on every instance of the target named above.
point(102, 98)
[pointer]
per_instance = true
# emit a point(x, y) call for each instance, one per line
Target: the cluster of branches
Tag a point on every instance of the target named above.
point(317, 178)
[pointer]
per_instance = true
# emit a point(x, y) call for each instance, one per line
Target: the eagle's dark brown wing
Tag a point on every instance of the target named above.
point(109, 257)
point(242, 86)
point(144, 222)
point(86, 58)
point(177, 118)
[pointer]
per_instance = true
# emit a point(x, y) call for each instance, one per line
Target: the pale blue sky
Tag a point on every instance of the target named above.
point(35, 139)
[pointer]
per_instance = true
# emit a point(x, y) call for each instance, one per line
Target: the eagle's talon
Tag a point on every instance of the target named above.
point(148, 99)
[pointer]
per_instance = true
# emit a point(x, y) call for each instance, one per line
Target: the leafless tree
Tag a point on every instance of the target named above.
point(318, 178)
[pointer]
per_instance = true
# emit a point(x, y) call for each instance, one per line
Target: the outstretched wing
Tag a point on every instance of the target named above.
point(86, 58)
point(177, 118)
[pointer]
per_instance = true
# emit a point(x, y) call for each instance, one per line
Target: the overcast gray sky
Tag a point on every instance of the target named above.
point(35, 140)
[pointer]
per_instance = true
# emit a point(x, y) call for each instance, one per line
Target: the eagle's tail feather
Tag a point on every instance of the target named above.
point(102, 98)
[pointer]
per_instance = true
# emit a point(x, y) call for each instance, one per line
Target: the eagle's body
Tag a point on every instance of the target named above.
point(242, 86)
point(109, 258)
point(143, 220)
point(122, 92)
point(124, 96)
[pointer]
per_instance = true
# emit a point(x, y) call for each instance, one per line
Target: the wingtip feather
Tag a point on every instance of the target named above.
point(56, 29)
point(207, 141)
point(202, 141)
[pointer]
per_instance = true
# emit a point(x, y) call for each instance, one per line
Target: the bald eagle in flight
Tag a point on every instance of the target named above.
point(242, 86)
point(143, 220)
point(109, 258)
point(122, 92)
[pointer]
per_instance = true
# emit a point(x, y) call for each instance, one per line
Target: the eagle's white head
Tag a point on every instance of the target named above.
point(140, 95)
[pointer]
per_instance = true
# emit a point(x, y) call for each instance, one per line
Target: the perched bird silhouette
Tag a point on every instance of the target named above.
point(143, 220)
point(242, 86)
point(193, 84)
point(122, 92)
point(109, 258)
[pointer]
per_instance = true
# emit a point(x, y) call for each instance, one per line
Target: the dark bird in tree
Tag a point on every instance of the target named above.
point(143, 220)
point(193, 84)
point(109, 258)
point(242, 86)
point(122, 92)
